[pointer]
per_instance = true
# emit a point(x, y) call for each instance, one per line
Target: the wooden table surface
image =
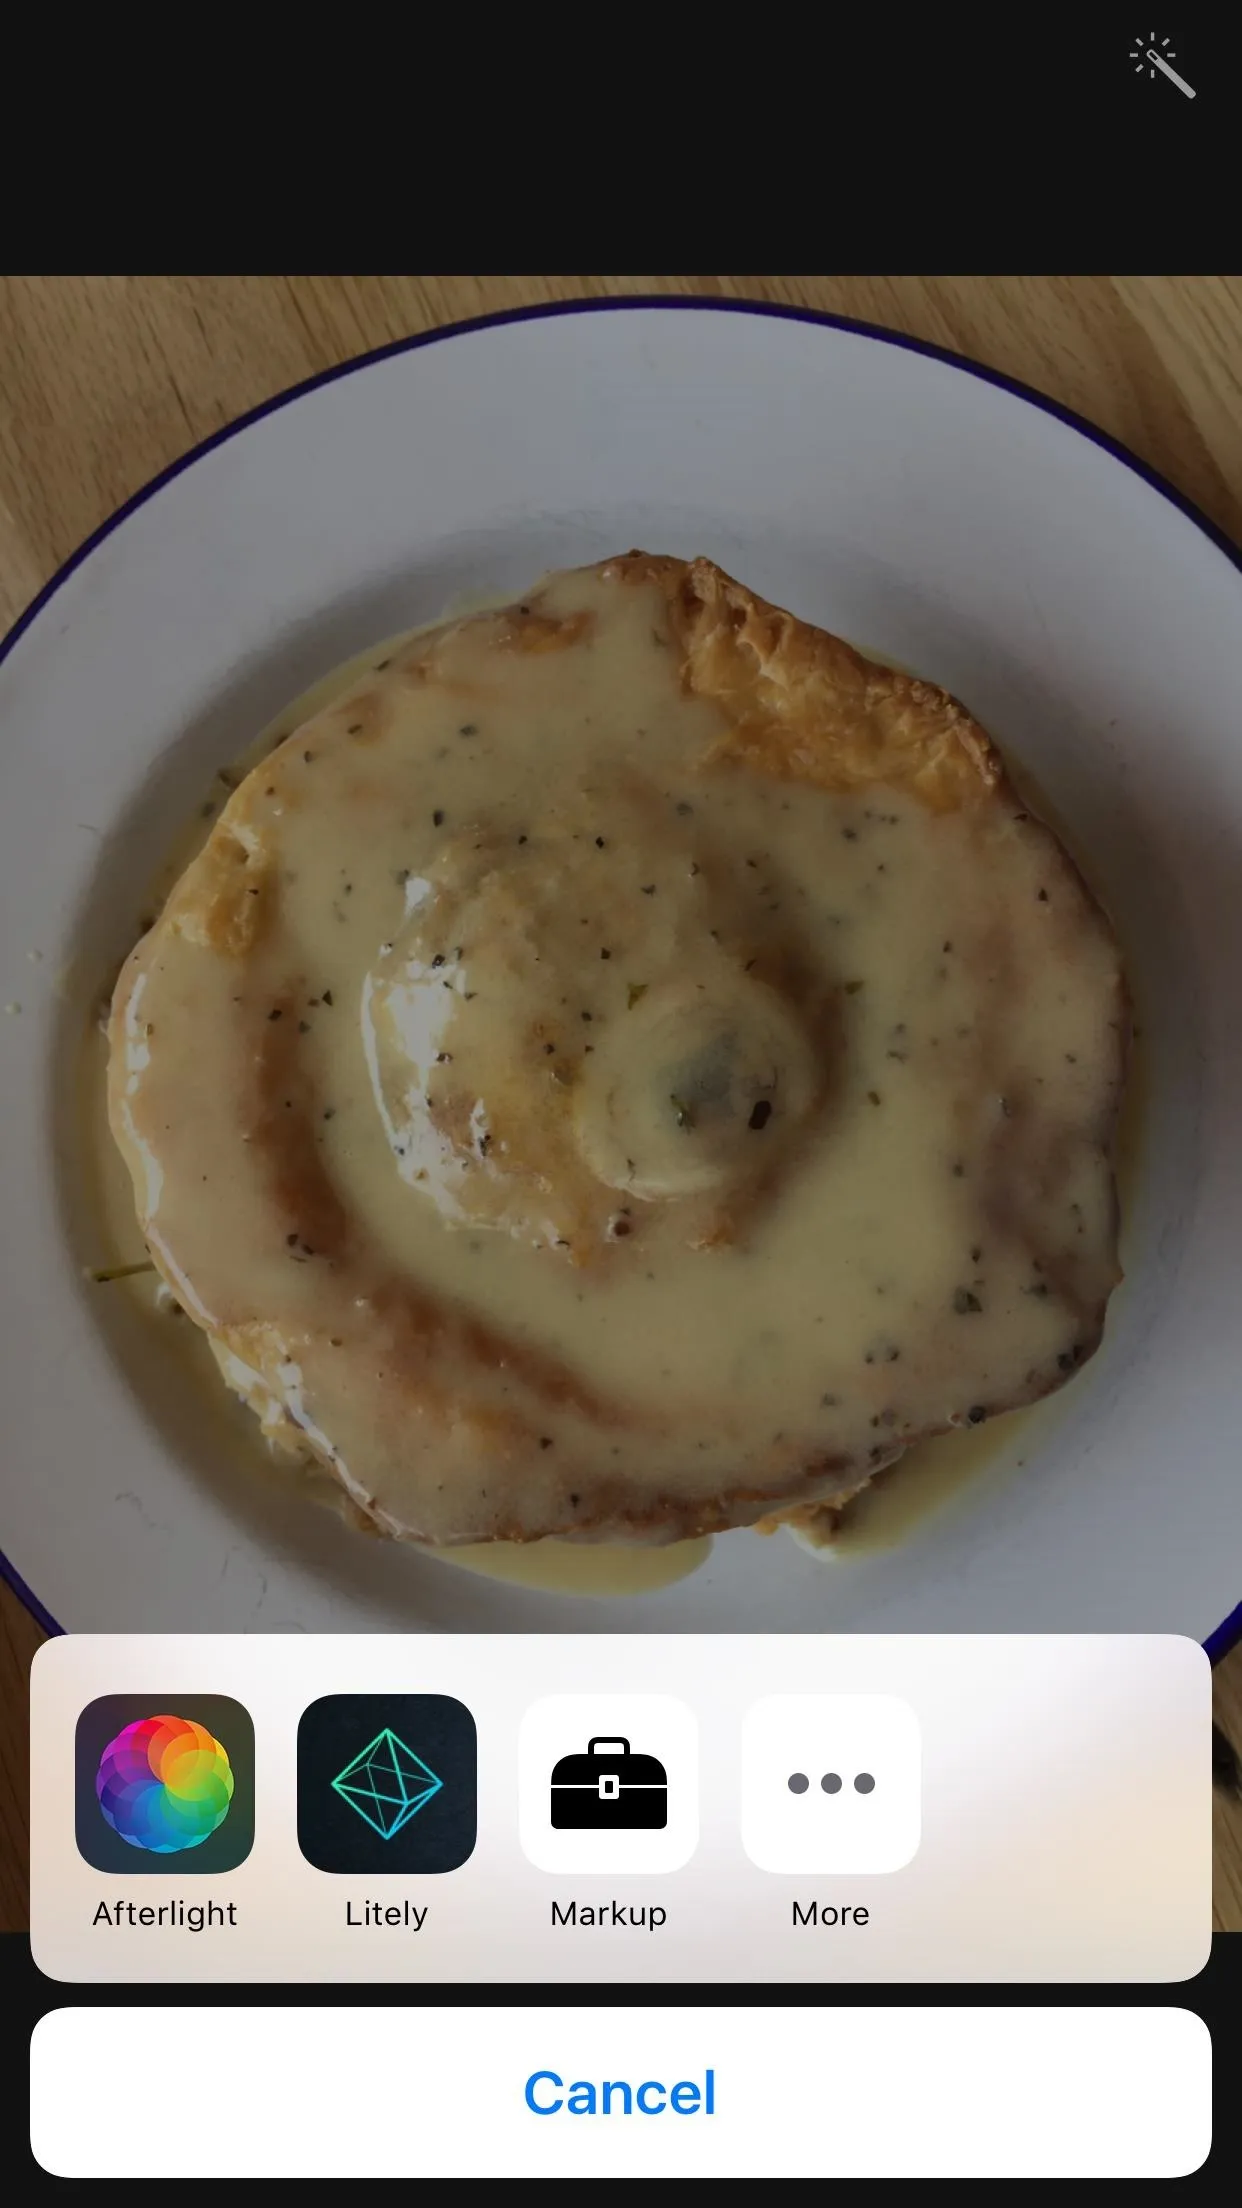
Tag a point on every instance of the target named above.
point(105, 379)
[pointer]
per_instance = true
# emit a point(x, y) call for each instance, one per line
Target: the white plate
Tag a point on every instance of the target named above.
point(1091, 620)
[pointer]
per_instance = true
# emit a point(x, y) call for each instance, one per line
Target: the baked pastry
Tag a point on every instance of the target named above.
point(629, 1066)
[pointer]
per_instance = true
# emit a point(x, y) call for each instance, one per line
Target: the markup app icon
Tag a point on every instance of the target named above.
point(387, 1784)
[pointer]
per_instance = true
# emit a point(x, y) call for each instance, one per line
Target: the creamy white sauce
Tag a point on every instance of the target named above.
point(855, 1254)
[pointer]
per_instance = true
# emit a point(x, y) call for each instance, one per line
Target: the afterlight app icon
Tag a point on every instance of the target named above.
point(164, 1783)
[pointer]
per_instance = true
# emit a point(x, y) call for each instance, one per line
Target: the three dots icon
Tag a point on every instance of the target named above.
point(831, 1782)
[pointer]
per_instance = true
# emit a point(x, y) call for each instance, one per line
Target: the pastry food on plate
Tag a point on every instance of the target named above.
point(629, 1066)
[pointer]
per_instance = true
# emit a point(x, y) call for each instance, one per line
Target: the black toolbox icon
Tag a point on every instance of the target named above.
point(609, 1790)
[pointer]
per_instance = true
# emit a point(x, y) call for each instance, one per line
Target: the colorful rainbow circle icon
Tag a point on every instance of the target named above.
point(164, 1784)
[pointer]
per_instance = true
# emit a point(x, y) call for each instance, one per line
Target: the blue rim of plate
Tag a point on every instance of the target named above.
point(1229, 1632)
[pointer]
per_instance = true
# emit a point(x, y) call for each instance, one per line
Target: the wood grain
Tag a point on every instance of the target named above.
point(106, 379)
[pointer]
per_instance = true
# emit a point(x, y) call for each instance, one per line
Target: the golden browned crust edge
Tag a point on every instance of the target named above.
point(804, 705)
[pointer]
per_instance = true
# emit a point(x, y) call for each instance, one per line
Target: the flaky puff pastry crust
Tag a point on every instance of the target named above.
point(440, 1454)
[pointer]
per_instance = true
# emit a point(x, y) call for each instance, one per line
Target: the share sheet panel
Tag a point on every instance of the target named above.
point(671, 1809)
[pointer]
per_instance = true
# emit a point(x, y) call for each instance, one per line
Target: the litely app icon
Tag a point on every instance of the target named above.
point(387, 1784)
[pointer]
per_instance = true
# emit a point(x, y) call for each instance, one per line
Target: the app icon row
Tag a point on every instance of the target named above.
point(387, 1785)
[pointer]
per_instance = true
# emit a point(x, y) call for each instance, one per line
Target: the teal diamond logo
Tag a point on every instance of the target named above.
point(387, 1784)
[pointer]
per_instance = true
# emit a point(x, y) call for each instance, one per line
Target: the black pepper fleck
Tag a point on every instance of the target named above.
point(437, 818)
point(760, 1116)
point(964, 1300)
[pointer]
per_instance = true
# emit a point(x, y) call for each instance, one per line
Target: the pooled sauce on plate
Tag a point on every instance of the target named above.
point(731, 1123)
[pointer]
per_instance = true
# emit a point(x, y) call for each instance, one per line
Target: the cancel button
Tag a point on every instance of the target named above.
point(547, 2094)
